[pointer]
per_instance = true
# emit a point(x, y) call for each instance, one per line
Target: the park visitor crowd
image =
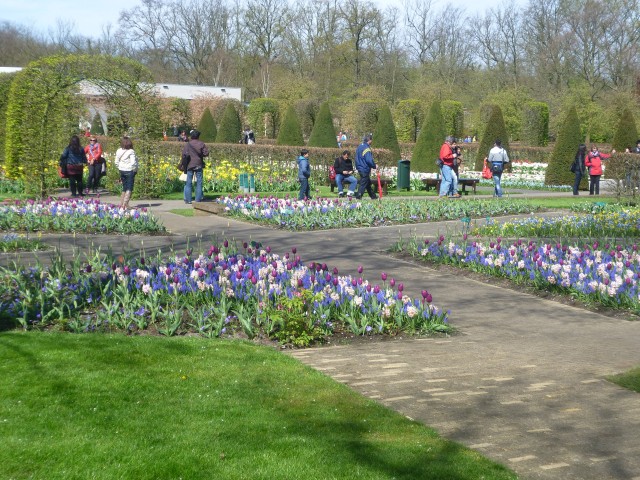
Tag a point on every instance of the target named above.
point(74, 158)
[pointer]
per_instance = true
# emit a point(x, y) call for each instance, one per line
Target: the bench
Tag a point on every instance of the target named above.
point(384, 182)
point(465, 182)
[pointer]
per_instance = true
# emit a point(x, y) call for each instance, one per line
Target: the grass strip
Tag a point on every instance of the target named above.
point(630, 379)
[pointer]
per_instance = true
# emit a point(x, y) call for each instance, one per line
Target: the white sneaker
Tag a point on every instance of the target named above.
point(349, 194)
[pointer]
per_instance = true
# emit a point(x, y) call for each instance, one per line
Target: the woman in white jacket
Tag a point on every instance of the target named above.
point(127, 163)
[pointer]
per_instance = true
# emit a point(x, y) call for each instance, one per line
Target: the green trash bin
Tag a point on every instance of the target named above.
point(404, 174)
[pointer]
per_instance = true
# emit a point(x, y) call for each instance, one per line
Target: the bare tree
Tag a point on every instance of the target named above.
point(359, 17)
point(497, 37)
point(265, 22)
point(545, 42)
point(421, 25)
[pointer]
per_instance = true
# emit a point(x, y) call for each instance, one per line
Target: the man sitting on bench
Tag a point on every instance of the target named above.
point(344, 173)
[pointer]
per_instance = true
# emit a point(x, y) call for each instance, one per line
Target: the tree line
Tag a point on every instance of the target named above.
point(581, 53)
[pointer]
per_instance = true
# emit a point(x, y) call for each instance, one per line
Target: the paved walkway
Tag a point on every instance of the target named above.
point(523, 383)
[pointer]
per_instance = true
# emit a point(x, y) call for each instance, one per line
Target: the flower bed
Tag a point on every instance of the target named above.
point(217, 293)
point(326, 213)
point(608, 275)
point(76, 215)
point(607, 222)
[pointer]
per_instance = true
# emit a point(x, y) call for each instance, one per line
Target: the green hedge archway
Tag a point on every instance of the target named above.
point(44, 108)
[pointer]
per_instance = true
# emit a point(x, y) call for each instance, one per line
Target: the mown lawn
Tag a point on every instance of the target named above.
point(104, 407)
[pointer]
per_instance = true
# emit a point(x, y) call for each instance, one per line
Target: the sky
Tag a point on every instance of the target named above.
point(90, 17)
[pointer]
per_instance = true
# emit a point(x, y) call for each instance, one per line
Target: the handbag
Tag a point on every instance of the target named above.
point(184, 162)
point(496, 167)
point(62, 171)
point(486, 172)
point(574, 167)
point(183, 177)
point(103, 170)
point(439, 162)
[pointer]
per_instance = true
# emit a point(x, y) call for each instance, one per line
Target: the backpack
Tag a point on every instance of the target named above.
point(332, 173)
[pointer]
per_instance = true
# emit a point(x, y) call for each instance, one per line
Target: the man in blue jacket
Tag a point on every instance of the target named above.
point(364, 164)
point(304, 172)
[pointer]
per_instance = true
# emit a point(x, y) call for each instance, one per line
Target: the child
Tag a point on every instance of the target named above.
point(304, 172)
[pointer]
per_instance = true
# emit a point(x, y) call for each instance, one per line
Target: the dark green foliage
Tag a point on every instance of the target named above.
point(230, 130)
point(626, 134)
point(207, 127)
point(453, 116)
point(96, 125)
point(495, 129)
point(481, 118)
point(564, 151)
point(307, 111)
point(409, 116)
point(323, 133)
point(384, 134)
point(264, 117)
point(535, 124)
point(290, 133)
point(430, 139)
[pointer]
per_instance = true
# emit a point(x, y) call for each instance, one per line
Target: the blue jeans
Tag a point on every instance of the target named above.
point(350, 179)
point(127, 178)
point(496, 184)
point(449, 180)
point(187, 186)
point(304, 189)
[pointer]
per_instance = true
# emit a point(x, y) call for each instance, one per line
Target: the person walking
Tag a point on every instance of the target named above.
point(364, 165)
point(304, 172)
point(449, 179)
point(193, 155)
point(93, 151)
point(127, 164)
point(72, 162)
point(594, 164)
point(497, 159)
point(578, 167)
point(344, 173)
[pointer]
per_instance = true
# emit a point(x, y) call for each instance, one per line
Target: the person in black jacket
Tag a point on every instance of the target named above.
point(344, 173)
point(72, 162)
point(578, 167)
point(193, 155)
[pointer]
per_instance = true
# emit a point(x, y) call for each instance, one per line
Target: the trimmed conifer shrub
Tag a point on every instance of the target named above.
point(494, 130)
point(453, 116)
point(230, 130)
point(430, 139)
point(564, 152)
point(323, 134)
point(384, 134)
point(290, 132)
point(307, 111)
point(409, 116)
point(207, 127)
point(96, 125)
point(535, 124)
point(626, 134)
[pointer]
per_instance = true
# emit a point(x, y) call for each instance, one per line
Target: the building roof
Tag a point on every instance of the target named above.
point(187, 92)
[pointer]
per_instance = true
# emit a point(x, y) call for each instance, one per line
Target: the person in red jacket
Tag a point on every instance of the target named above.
point(449, 178)
point(93, 151)
point(594, 163)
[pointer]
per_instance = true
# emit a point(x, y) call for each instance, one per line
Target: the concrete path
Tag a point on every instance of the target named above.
point(523, 382)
